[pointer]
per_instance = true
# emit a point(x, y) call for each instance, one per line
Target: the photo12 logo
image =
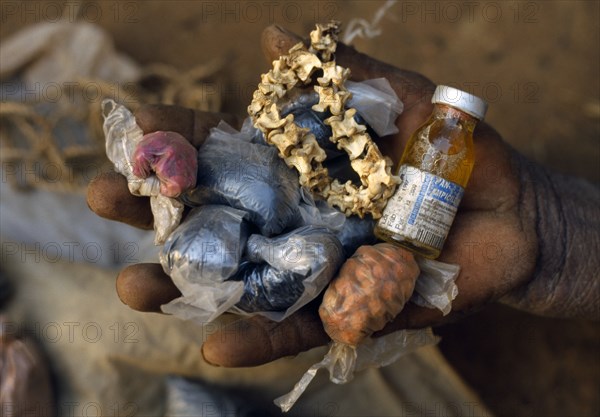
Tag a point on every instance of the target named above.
point(69, 11)
point(72, 251)
point(267, 12)
point(70, 332)
point(68, 92)
point(468, 11)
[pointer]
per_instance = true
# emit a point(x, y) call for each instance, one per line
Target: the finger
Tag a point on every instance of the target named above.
point(145, 287)
point(192, 125)
point(490, 250)
point(413, 316)
point(108, 196)
point(413, 89)
point(276, 41)
point(257, 340)
point(493, 183)
point(410, 86)
point(493, 251)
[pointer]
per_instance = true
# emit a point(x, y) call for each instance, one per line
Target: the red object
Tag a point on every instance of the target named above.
point(171, 157)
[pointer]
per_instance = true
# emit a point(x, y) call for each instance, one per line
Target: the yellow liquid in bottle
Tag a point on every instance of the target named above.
point(443, 146)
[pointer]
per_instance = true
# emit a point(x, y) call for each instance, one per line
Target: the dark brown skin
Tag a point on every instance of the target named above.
point(146, 294)
point(503, 236)
point(109, 197)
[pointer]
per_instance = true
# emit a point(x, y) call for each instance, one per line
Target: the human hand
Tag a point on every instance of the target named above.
point(493, 238)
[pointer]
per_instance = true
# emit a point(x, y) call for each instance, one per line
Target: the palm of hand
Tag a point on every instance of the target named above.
point(493, 237)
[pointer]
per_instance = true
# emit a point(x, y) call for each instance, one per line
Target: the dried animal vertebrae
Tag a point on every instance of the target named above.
point(299, 147)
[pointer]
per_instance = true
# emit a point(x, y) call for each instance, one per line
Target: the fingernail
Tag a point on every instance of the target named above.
point(216, 365)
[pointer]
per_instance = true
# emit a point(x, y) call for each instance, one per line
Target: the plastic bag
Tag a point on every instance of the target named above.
point(275, 277)
point(343, 360)
point(171, 157)
point(351, 231)
point(200, 256)
point(377, 106)
point(377, 102)
point(372, 288)
point(436, 285)
point(122, 136)
point(248, 176)
point(284, 273)
point(299, 103)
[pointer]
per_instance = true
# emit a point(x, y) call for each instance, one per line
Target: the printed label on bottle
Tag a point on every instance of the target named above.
point(423, 207)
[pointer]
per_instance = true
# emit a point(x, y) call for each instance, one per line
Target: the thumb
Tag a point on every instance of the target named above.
point(276, 41)
point(412, 88)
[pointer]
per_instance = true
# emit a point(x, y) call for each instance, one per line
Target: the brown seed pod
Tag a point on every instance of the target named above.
point(369, 291)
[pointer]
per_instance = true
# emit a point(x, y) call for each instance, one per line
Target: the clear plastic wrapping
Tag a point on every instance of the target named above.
point(299, 103)
point(218, 268)
point(284, 273)
point(171, 157)
point(276, 275)
point(377, 102)
point(436, 286)
point(122, 136)
point(371, 289)
point(351, 231)
point(200, 256)
point(342, 361)
point(248, 176)
point(436, 289)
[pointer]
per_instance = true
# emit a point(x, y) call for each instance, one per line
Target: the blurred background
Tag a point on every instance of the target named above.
point(537, 63)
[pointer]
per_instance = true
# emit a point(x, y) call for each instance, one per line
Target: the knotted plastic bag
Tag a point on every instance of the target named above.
point(342, 361)
point(122, 137)
point(234, 171)
point(200, 256)
point(435, 287)
point(358, 305)
point(171, 158)
point(218, 268)
point(284, 273)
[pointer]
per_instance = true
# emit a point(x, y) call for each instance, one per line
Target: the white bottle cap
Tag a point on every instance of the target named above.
point(461, 100)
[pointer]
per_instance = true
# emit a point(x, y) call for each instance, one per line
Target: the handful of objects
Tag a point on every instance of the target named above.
point(262, 238)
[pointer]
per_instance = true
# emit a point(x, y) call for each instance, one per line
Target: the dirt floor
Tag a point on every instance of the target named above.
point(536, 62)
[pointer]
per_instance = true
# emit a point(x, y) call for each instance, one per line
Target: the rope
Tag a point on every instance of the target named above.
point(32, 154)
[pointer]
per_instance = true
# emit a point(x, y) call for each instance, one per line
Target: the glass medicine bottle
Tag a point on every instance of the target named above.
point(434, 170)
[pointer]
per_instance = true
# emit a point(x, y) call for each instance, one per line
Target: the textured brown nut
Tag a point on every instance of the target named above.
point(370, 290)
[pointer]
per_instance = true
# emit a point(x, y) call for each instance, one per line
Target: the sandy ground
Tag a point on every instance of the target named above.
point(536, 62)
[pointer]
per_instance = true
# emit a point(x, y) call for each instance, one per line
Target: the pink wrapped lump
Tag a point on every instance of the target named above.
point(171, 157)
